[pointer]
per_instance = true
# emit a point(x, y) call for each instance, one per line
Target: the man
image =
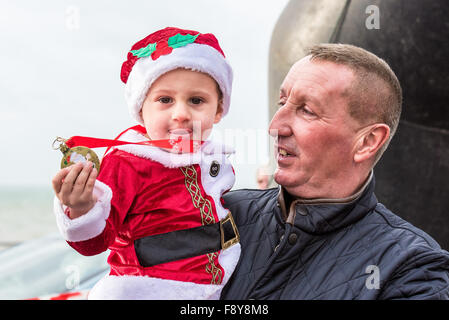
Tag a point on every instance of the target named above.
point(263, 177)
point(323, 234)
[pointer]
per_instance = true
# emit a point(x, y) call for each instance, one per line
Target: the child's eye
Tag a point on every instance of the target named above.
point(165, 100)
point(196, 100)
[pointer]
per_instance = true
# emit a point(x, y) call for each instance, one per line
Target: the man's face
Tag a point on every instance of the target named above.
point(315, 134)
point(262, 181)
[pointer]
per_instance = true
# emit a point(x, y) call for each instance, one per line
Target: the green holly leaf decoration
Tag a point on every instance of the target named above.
point(175, 41)
point(178, 40)
point(145, 51)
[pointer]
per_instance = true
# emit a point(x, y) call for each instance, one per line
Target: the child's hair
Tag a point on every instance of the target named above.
point(169, 49)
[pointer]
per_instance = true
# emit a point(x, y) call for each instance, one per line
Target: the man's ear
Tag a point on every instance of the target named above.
point(371, 139)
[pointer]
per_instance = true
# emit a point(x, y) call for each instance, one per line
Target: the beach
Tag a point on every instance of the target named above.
point(26, 212)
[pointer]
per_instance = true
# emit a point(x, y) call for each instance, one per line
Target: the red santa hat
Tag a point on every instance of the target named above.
point(169, 49)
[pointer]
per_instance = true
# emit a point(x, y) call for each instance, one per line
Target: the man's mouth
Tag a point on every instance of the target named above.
point(284, 152)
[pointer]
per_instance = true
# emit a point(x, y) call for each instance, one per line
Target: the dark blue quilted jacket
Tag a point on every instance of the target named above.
point(355, 250)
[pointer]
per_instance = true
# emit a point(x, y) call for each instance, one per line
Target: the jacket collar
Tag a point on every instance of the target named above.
point(320, 216)
point(168, 159)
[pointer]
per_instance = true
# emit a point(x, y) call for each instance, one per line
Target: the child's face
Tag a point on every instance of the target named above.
point(181, 103)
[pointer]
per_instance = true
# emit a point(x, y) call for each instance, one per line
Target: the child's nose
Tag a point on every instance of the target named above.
point(181, 112)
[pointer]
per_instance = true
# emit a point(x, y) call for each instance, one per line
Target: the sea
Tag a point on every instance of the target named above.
point(26, 213)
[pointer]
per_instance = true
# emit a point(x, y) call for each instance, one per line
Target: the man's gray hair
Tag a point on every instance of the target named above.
point(376, 95)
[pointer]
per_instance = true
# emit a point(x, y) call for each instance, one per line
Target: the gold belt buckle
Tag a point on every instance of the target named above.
point(230, 242)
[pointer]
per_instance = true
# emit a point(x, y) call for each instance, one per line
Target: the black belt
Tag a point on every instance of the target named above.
point(186, 243)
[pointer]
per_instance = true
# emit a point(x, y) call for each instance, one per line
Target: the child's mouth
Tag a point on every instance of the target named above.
point(184, 133)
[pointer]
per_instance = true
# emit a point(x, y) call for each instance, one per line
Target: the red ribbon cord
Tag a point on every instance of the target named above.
point(185, 145)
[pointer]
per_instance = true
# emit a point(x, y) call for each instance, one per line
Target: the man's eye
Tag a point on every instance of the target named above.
point(196, 100)
point(165, 100)
point(281, 104)
point(306, 111)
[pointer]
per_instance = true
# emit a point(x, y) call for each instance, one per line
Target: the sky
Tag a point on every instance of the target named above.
point(60, 64)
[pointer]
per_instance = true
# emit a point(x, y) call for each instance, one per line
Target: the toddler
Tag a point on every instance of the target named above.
point(159, 211)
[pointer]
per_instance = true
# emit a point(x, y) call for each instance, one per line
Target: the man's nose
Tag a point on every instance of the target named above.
point(280, 124)
point(181, 112)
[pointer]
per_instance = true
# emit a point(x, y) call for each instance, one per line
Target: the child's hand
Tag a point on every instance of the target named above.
point(74, 187)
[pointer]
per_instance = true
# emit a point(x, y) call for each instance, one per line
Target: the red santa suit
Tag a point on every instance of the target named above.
point(145, 191)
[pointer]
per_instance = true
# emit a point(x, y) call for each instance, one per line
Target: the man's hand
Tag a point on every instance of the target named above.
point(74, 187)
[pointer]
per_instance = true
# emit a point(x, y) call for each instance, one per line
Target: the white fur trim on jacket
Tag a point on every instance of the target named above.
point(89, 225)
point(216, 186)
point(194, 56)
point(170, 159)
point(147, 288)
